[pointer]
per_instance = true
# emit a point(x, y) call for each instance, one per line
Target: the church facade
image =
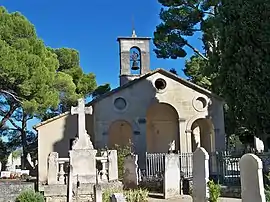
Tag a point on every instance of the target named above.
point(155, 110)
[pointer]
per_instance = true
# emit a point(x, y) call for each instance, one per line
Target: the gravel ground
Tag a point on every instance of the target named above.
point(158, 198)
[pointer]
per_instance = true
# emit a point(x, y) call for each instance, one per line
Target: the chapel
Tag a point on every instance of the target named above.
point(154, 109)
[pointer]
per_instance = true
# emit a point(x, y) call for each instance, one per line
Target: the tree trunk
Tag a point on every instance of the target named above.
point(23, 136)
point(8, 115)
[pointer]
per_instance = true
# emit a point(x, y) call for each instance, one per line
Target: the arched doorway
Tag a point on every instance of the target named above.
point(162, 128)
point(120, 133)
point(203, 135)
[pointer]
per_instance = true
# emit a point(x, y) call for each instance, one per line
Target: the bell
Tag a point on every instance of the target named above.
point(135, 65)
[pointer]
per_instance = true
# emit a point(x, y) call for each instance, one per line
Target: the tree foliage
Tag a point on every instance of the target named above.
point(174, 71)
point(244, 64)
point(35, 80)
point(234, 62)
point(181, 20)
point(74, 82)
point(100, 90)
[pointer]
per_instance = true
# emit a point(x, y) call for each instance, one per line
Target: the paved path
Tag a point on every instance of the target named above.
point(158, 198)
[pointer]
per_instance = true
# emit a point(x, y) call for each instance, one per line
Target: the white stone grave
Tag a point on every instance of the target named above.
point(172, 176)
point(83, 152)
point(200, 175)
point(5, 174)
point(252, 188)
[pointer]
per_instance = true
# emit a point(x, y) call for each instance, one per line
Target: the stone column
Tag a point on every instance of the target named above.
point(251, 179)
point(182, 137)
point(200, 175)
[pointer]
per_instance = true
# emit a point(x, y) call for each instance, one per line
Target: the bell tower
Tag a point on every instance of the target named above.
point(134, 57)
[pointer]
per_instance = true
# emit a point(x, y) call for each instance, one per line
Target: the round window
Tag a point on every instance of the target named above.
point(160, 84)
point(200, 103)
point(120, 103)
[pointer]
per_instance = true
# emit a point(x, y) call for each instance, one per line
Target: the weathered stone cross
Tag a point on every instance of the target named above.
point(84, 141)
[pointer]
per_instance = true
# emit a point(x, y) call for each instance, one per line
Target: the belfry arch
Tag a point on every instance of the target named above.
point(162, 129)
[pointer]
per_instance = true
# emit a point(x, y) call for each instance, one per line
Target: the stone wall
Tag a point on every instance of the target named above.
point(84, 193)
point(9, 190)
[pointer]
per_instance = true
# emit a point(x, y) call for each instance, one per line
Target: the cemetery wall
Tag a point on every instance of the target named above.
point(9, 190)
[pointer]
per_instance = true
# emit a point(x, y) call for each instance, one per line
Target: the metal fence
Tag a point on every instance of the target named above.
point(155, 164)
point(223, 167)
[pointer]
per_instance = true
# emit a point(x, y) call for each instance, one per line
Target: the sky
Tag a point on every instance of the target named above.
point(92, 27)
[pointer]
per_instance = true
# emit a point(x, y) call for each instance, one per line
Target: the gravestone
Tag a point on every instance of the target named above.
point(113, 165)
point(83, 155)
point(97, 193)
point(171, 176)
point(200, 175)
point(252, 188)
point(117, 197)
point(5, 174)
point(259, 145)
point(53, 168)
point(131, 178)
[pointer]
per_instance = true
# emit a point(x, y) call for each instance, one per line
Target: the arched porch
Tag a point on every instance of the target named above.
point(162, 128)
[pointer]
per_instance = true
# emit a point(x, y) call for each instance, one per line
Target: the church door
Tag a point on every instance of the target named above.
point(162, 128)
point(120, 133)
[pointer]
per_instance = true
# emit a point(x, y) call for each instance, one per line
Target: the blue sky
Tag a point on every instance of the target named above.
point(92, 28)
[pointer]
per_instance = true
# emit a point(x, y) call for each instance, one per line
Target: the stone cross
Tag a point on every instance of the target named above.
point(83, 141)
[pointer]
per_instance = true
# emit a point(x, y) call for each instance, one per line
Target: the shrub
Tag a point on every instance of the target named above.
point(122, 152)
point(135, 195)
point(29, 196)
point(108, 192)
point(267, 188)
point(214, 191)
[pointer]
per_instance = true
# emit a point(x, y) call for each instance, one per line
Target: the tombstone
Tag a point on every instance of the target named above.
point(53, 168)
point(117, 197)
point(97, 193)
point(29, 159)
point(259, 145)
point(83, 152)
point(200, 175)
point(10, 166)
point(5, 174)
point(131, 178)
point(171, 176)
point(252, 188)
point(113, 166)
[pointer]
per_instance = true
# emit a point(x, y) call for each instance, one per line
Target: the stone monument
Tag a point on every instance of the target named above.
point(251, 178)
point(83, 154)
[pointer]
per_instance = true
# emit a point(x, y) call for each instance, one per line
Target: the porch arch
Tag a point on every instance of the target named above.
point(162, 128)
point(120, 133)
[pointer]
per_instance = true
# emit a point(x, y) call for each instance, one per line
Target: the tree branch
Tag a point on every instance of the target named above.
point(209, 13)
point(14, 124)
point(12, 95)
point(8, 115)
point(196, 51)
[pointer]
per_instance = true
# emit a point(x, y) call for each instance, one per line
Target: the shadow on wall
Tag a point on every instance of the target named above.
point(69, 133)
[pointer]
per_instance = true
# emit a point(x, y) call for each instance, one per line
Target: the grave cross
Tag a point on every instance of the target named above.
point(81, 110)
